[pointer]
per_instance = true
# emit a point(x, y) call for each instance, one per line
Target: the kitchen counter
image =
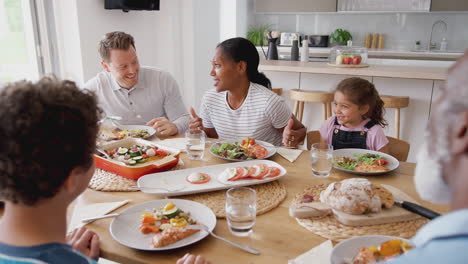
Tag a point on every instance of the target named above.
point(375, 70)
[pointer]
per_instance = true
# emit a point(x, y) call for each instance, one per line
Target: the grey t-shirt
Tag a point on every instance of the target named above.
point(46, 253)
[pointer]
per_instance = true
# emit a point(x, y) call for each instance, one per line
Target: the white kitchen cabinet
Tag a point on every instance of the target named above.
point(414, 118)
point(281, 6)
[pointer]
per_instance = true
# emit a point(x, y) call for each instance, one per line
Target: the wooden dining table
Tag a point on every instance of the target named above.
point(277, 235)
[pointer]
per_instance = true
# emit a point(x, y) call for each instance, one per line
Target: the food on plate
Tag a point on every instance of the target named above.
point(247, 150)
point(168, 223)
point(118, 133)
point(198, 178)
point(363, 163)
point(356, 196)
point(255, 172)
point(384, 251)
point(136, 154)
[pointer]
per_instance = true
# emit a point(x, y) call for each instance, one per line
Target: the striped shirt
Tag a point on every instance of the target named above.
point(259, 116)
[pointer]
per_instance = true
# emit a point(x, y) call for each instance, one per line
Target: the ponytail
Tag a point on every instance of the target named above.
point(241, 49)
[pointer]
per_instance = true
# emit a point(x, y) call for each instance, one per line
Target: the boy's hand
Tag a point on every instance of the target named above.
point(85, 241)
point(195, 122)
point(191, 259)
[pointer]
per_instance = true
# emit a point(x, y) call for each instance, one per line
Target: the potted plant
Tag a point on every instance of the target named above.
point(340, 37)
point(256, 35)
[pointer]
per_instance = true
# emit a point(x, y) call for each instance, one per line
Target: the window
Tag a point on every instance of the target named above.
point(19, 58)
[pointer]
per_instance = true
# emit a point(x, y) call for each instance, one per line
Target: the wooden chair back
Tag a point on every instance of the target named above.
point(278, 91)
point(396, 102)
point(398, 148)
point(302, 96)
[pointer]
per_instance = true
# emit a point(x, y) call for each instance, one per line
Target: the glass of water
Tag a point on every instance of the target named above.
point(322, 159)
point(241, 210)
point(195, 144)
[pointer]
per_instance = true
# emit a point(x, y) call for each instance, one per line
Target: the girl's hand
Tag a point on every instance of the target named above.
point(85, 241)
point(195, 122)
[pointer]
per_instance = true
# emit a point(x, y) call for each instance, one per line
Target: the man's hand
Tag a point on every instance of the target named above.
point(291, 137)
point(85, 241)
point(191, 259)
point(195, 122)
point(163, 126)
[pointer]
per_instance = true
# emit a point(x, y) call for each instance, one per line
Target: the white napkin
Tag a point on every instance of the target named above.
point(177, 143)
point(289, 154)
point(91, 210)
point(318, 255)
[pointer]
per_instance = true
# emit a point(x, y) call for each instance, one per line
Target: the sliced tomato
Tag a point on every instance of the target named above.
point(241, 173)
point(263, 172)
point(258, 151)
point(380, 162)
point(204, 178)
point(273, 172)
point(160, 152)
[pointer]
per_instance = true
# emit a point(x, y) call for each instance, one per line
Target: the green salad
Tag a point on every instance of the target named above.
point(348, 163)
point(231, 151)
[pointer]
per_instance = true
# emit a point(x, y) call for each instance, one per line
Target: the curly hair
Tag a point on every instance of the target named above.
point(115, 40)
point(362, 92)
point(47, 129)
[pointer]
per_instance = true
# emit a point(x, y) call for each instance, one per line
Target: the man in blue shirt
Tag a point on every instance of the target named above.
point(441, 175)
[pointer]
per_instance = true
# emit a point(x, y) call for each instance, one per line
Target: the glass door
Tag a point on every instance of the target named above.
point(19, 58)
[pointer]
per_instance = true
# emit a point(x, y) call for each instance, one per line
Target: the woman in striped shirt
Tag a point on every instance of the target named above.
point(242, 103)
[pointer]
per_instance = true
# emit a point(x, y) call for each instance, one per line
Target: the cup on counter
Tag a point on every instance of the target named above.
point(241, 210)
point(322, 159)
point(195, 144)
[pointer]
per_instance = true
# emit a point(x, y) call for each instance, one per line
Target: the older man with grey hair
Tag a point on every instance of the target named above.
point(442, 175)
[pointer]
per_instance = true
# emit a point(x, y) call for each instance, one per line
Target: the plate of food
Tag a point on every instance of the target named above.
point(162, 224)
point(114, 132)
point(369, 249)
point(211, 178)
point(135, 157)
point(247, 149)
point(364, 162)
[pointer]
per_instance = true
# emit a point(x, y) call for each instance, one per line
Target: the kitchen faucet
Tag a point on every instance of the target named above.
point(431, 45)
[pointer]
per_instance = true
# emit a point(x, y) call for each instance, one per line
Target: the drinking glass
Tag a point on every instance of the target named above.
point(322, 159)
point(195, 144)
point(241, 210)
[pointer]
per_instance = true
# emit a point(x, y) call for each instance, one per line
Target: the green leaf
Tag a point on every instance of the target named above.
point(340, 36)
point(256, 34)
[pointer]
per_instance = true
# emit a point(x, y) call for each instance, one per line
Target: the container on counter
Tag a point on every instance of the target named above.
point(344, 56)
point(368, 40)
point(305, 50)
point(381, 41)
point(295, 50)
point(375, 41)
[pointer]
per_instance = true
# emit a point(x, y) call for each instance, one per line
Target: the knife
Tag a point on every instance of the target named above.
point(417, 209)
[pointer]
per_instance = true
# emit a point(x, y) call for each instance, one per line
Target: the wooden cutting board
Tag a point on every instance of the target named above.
point(391, 215)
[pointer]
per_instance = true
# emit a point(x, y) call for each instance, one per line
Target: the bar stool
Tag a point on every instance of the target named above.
point(301, 96)
point(396, 102)
point(277, 91)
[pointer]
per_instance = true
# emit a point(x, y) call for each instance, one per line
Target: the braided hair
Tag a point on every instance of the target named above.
point(241, 49)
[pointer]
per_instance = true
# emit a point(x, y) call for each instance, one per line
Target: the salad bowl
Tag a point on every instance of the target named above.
point(364, 156)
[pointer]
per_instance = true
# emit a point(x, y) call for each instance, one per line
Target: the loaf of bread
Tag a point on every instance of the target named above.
point(353, 196)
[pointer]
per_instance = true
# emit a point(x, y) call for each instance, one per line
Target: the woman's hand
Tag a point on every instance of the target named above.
point(293, 133)
point(85, 241)
point(191, 259)
point(195, 122)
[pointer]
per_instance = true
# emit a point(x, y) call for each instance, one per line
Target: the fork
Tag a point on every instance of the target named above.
point(205, 228)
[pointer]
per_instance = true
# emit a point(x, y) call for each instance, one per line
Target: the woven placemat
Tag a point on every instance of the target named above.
point(328, 227)
point(110, 182)
point(269, 196)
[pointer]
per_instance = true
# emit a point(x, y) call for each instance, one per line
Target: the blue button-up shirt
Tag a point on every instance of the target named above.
point(443, 240)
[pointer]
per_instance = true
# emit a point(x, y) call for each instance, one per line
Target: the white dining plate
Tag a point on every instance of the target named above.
point(125, 227)
point(172, 183)
point(151, 130)
point(270, 148)
point(105, 132)
point(392, 164)
point(347, 249)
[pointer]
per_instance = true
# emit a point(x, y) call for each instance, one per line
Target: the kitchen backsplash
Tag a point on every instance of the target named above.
point(401, 30)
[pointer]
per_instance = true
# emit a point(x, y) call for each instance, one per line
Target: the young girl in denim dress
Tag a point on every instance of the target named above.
point(358, 121)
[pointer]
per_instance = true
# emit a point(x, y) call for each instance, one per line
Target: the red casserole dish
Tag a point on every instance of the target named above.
point(136, 171)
